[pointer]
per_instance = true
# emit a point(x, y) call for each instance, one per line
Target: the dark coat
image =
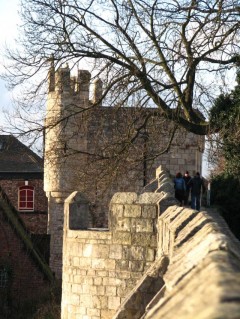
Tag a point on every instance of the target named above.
point(187, 181)
point(196, 185)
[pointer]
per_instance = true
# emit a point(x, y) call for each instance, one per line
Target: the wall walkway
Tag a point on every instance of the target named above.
point(156, 260)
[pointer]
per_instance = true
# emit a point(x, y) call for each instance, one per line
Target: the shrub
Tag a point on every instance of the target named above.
point(225, 193)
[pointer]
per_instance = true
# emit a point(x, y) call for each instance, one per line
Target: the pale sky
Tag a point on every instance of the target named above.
point(9, 20)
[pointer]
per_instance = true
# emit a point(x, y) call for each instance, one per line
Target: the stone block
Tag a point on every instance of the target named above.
point(75, 261)
point(123, 198)
point(75, 249)
point(150, 254)
point(87, 281)
point(181, 161)
point(112, 274)
point(136, 265)
point(96, 302)
point(123, 238)
point(85, 262)
point(100, 251)
point(91, 289)
point(117, 210)
point(149, 211)
point(121, 291)
point(115, 251)
point(110, 291)
point(136, 253)
point(76, 278)
point(132, 211)
point(77, 288)
point(86, 300)
point(142, 225)
point(123, 274)
point(97, 281)
point(107, 281)
point(93, 312)
point(87, 250)
point(113, 303)
point(85, 288)
point(103, 301)
point(107, 314)
point(75, 299)
point(123, 224)
point(101, 273)
point(144, 239)
point(100, 290)
point(90, 273)
point(149, 198)
point(122, 265)
point(101, 263)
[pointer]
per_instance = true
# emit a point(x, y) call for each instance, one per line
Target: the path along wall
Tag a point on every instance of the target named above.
point(157, 260)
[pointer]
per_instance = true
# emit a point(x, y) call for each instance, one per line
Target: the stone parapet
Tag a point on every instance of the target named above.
point(101, 266)
point(196, 274)
point(202, 279)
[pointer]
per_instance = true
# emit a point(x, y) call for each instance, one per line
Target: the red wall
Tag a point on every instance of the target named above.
point(27, 281)
point(10, 187)
point(36, 222)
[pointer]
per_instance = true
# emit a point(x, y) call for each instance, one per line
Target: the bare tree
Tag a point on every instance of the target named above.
point(162, 54)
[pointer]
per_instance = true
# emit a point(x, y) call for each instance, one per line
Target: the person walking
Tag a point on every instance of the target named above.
point(180, 188)
point(187, 179)
point(197, 187)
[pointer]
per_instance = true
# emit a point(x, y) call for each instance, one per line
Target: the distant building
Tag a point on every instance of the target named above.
point(24, 273)
point(21, 178)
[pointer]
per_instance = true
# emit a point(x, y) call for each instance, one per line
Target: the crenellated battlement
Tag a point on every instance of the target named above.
point(60, 81)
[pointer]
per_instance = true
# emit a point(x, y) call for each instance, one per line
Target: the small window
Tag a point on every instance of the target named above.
point(26, 198)
point(3, 277)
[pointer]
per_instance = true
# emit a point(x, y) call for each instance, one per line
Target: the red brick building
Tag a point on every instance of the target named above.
point(24, 273)
point(21, 178)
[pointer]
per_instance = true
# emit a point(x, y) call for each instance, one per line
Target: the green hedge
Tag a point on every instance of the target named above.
point(225, 193)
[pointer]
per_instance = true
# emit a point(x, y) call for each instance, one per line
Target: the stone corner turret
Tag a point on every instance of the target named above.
point(60, 81)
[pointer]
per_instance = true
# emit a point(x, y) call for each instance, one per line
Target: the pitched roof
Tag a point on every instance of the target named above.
point(15, 157)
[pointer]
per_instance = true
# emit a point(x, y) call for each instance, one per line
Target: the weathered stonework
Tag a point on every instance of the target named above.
point(153, 262)
point(101, 266)
point(77, 126)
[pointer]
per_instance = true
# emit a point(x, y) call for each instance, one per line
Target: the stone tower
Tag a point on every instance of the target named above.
point(76, 129)
point(64, 133)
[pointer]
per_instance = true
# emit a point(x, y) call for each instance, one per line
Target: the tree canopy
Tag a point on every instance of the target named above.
point(155, 53)
point(225, 117)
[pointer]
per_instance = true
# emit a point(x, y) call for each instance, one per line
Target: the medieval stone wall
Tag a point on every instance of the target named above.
point(101, 266)
point(157, 260)
point(82, 139)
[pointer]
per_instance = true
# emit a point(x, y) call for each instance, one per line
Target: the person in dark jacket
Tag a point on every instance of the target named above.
point(180, 188)
point(197, 187)
point(187, 179)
